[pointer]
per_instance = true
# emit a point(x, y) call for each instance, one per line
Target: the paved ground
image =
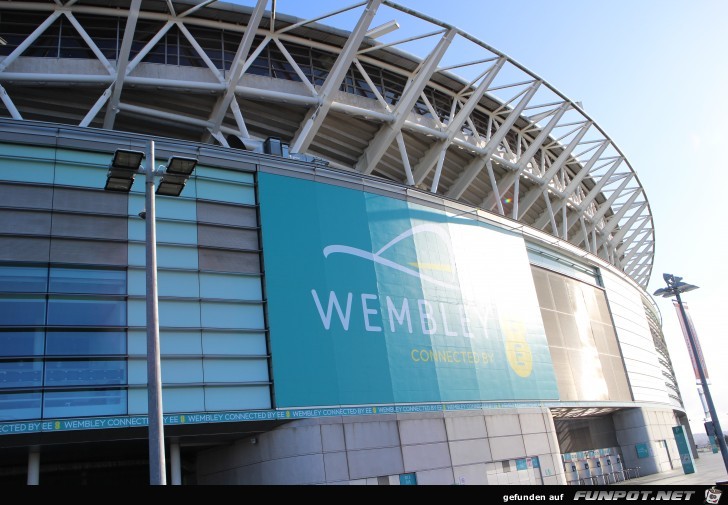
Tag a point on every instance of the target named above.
point(710, 469)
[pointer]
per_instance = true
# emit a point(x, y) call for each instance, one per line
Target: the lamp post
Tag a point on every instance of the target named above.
point(675, 286)
point(120, 177)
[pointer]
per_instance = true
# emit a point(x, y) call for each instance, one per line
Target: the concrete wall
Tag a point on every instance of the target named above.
point(652, 427)
point(442, 448)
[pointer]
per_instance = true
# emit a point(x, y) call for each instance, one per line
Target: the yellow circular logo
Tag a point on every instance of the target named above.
point(518, 351)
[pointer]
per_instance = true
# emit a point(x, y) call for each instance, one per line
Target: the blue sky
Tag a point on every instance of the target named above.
point(654, 75)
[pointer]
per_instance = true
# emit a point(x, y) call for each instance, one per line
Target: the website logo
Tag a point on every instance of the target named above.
point(712, 495)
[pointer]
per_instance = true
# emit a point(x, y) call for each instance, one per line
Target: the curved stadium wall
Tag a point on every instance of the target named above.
point(400, 285)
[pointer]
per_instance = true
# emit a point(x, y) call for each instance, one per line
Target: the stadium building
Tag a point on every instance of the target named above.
point(401, 257)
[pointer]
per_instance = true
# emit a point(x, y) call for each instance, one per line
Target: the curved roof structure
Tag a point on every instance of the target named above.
point(390, 96)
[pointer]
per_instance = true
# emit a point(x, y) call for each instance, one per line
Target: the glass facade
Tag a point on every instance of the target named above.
point(582, 341)
point(73, 285)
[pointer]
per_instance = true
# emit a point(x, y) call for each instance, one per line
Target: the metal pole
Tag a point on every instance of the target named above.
point(157, 466)
point(709, 399)
point(33, 466)
point(175, 463)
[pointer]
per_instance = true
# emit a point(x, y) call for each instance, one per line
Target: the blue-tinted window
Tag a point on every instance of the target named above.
point(21, 342)
point(85, 343)
point(86, 280)
point(88, 372)
point(22, 310)
point(16, 406)
point(23, 279)
point(20, 374)
point(106, 402)
point(71, 311)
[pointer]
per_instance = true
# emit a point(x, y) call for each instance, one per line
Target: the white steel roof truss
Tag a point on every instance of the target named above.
point(372, 86)
point(91, 114)
point(617, 237)
point(471, 171)
point(9, 104)
point(383, 138)
point(201, 52)
point(507, 181)
point(455, 126)
point(604, 207)
point(614, 220)
point(29, 40)
point(314, 118)
point(91, 44)
point(531, 197)
point(237, 69)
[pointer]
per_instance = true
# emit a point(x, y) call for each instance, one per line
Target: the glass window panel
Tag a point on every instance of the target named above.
point(232, 315)
point(85, 372)
point(22, 310)
point(219, 260)
point(167, 231)
point(83, 200)
point(235, 370)
point(85, 342)
point(21, 374)
point(233, 215)
point(16, 406)
point(27, 169)
point(182, 209)
point(105, 402)
point(86, 280)
point(204, 172)
point(167, 256)
point(90, 226)
point(137, 370)
point(174, 399)
point(76, 174)
point(68, 311)
point(171, 342)
point(21, 342)
point(237, 398)
point(179, 314)
point(230, 286)
point(225, 191)
point(20, 195)
point(23, 279)
point(234, 343)
point(230, 238)
point(181, 371)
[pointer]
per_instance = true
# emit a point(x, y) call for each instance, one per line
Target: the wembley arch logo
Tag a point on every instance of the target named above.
point(378, 256)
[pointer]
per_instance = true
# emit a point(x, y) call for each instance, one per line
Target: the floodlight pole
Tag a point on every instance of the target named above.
point(708, 398)
point(157, 464)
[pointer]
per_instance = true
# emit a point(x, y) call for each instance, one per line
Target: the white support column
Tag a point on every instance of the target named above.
point(175, 463)
point(91, 44)
point(471, 171)
point(121, 64)
point(33, 466)
point(405, 159)
point(315, 117)
point(546, 198)
point(383, 139)
point(494, 185)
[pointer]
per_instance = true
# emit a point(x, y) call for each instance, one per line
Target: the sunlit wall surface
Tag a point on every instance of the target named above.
point(377, 300)
point(581, 337)
point(72, 291)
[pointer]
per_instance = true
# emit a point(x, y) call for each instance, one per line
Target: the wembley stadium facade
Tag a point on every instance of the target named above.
point(384, 269)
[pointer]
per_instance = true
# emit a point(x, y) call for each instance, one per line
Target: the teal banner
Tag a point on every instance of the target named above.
point(376, 300)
